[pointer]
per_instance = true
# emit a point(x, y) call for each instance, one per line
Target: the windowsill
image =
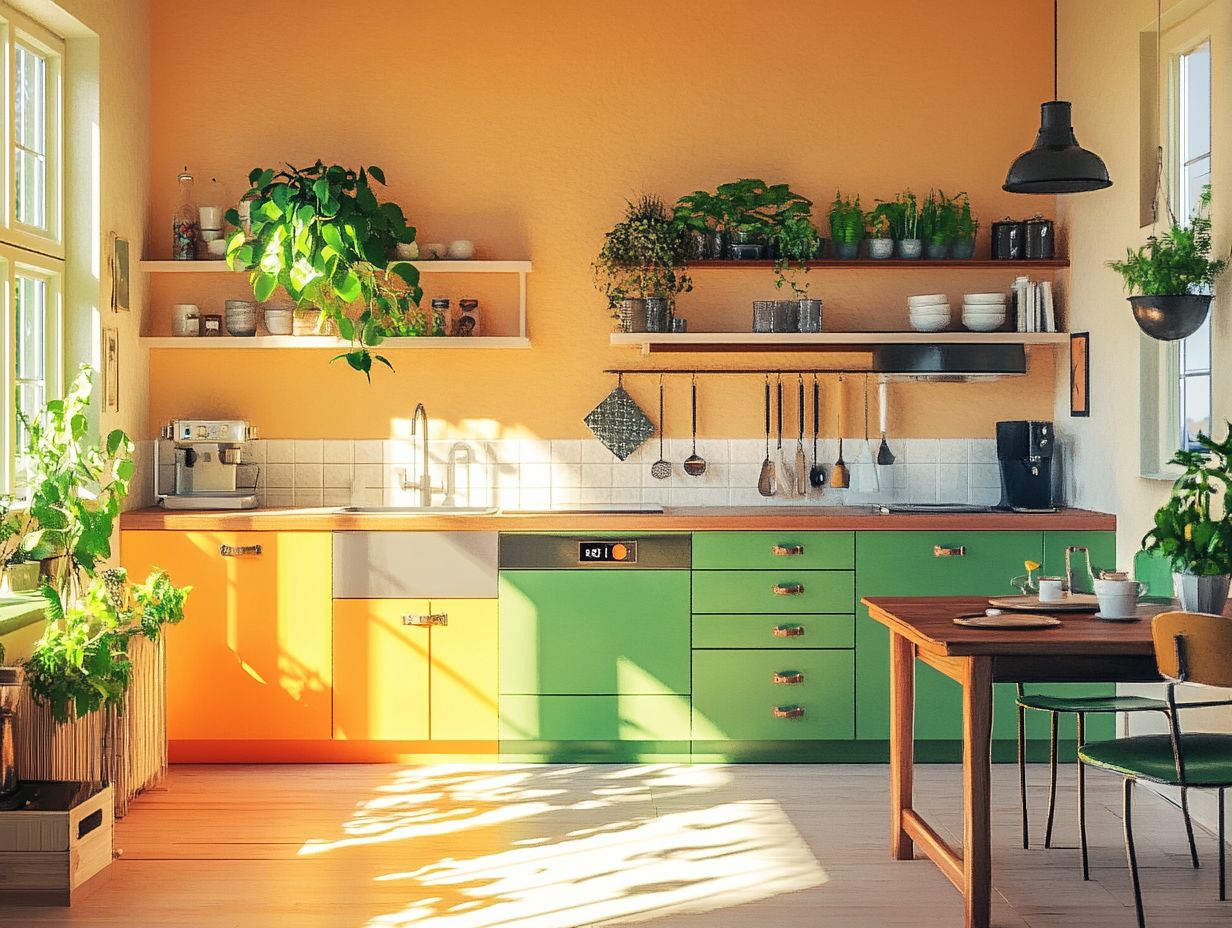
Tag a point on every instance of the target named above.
point(1170, 478)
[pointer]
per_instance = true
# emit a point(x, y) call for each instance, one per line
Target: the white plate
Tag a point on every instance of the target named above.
point(1073, 602)
point(1012, 620)
point(986, 298)
point(1144, 611)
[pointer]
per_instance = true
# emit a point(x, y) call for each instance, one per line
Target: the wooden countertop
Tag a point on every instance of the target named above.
point(713, 518)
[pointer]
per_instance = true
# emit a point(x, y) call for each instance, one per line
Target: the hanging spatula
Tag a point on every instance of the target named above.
point(783, 475)
point(801, 464)
point(765, 480)
point(885, 457)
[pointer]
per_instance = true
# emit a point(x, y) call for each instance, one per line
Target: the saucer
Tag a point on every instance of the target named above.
point(1144, 611)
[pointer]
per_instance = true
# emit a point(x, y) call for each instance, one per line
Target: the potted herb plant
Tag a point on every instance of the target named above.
point(904, 216)
point(20, 540)
point(641, 267)
point(965, 228)
point(703, 215)
point(322, 235)
point(880, 237)
point(1193, 530)
point(1170, 278)
point(846, 226)
point(795, 242)
point(938, 224)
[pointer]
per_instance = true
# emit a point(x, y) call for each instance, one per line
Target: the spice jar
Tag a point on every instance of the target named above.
point(440, 315)
point(467, 322)
point(211, 325)
point(184, 221)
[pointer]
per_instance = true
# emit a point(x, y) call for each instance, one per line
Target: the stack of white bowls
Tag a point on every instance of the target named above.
point(984, 312)
point(929, 312)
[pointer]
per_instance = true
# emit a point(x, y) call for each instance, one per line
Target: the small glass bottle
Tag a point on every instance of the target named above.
point(440, 316)
point(466, 323)
point(184, 222)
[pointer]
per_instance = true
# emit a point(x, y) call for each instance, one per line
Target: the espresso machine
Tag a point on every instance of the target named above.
point(1024, 453)
point(208, 453)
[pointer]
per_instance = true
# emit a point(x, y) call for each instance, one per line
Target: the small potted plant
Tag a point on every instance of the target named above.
point(702, 215)
point(19, 548)
point(795, 242)
point(965, 228)
point(1193, 530)
point(880, 237)
point(642, 266)
point(938, 221)
point(1170, 278)
point(846, 227)
point(904, 215)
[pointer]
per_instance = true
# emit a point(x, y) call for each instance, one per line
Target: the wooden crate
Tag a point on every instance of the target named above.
point(50, 856)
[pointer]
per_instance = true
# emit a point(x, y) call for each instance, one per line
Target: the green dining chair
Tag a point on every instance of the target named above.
point(1190, 647)
point(1080, 706)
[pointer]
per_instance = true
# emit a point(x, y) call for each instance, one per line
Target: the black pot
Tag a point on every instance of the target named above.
point(1169, 317)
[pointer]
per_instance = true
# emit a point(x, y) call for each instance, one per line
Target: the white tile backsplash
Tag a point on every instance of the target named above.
point(540, 473)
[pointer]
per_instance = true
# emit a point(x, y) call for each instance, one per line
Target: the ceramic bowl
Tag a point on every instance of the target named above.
point(982, 298)
point(461, 249)
point(279, 320)
point(983, 323)
point(217, 248)
point(929, 323)
point(925, 311)
point(210, 235)
point(928, 299)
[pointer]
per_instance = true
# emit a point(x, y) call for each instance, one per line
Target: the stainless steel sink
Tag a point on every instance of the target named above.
point(420, 510)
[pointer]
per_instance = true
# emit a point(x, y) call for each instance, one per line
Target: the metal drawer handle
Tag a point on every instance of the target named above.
point(788, 631)
point(239, 550)
point(787, 550)
point(432, 618)
point(789, 712)
point(949, 550)
point(788, 589)
point(787, 677)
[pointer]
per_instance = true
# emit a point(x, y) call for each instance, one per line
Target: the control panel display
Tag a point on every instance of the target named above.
point(607, 552)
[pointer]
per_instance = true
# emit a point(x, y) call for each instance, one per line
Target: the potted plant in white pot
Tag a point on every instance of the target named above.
point(904, 215)
point(19, 548)
point(880, 235)
point(1170, 278)
point(641, 267)
point(1193, 530)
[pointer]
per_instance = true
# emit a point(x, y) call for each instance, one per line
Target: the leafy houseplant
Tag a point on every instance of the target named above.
point(1193, 530)
point(321, 234)
point(20, 542)
point(1170, 278)
point(846, 226)
point(903, 213)
point(880, 238)
point(794, 240)
point(641, 267)
point(938, 224)
point(704, 216)
point(965, 228)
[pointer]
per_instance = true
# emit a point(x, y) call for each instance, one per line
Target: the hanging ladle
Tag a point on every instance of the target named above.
point(662, 468)
point(694, 464)
point(817, 475)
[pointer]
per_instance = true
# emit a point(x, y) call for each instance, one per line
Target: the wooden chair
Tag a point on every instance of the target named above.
point(1189, 648)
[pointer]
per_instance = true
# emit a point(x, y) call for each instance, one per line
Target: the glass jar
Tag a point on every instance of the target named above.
point(185, 222)
point(440, 316)
point(466, 324)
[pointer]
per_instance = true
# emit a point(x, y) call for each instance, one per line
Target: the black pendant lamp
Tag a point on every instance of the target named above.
point(1056, 163)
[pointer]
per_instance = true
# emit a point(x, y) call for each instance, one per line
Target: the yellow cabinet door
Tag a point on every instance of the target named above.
point(381, 678)
point(251, 660)
point(464, 666)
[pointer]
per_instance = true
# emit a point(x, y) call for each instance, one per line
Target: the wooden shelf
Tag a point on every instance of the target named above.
point(657, 343)
point(219, 266)
point(279, 342)
point(921, 264)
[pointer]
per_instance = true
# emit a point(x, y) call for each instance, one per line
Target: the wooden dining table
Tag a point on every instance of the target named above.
point(1082, 649)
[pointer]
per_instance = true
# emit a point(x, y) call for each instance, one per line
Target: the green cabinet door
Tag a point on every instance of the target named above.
point(777, 632)
point(774, 550)
point(907, 564)
point(594, 718)
point(782, 592)
point(594, 632)
point(773, 696)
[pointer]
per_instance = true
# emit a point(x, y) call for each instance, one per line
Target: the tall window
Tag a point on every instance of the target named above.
point(1192, 140)
point(31, 241)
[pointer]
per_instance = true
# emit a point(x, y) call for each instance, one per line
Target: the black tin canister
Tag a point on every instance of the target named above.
point(1040, 240)
point(1008, 240)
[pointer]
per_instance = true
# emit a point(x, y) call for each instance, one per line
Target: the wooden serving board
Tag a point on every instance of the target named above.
point(1074, 602)
point(1012, 620)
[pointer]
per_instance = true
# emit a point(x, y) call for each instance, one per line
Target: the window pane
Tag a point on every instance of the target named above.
point(31, 397)
point(31, 311)
point(1195, 176)
point(1196, 350)
point(30, 175)
point(1197, 400)
point(30, 101)
point(1197, 79)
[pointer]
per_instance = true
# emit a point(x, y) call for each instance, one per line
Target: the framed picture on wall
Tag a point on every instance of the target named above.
point(111, 370)
point(1080, 374)
point(120, 297)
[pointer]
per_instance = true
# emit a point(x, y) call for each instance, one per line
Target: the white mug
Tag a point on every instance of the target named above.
point(1118, 597)
point(1051, 589)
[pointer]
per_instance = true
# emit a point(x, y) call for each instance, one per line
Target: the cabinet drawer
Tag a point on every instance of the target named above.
point(783, 592)
point(594, 718)
point(774, 550)
point(793, 633)
point(735, 695)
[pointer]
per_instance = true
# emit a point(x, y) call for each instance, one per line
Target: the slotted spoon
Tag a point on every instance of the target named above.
point(662, 468)
point(694, 464)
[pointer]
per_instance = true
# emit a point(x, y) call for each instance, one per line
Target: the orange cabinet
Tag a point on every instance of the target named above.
point(415, 669)
point(251, 659)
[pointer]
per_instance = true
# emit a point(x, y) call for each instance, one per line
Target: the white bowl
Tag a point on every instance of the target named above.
point(983, 323)
point(927, 299)
point(210, 235)
point(984, 298)
point(984, 309)
point(935, 310)
point(930, 323)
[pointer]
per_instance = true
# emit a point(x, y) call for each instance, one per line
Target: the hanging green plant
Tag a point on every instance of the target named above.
point(322, 235)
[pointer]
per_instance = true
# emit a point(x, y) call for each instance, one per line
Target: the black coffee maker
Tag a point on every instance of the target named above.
point(1024, 453)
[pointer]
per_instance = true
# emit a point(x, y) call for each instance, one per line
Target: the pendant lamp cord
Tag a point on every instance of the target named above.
point(1162, 188)
point(1056, 53)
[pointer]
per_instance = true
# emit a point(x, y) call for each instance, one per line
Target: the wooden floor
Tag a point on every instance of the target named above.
point(567, 846)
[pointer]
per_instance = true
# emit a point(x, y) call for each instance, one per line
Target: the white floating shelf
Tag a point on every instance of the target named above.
point(653, 343)
point(227, 342)
point(425, 267)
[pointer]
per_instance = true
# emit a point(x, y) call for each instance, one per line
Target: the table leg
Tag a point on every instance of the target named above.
point(902, 742)
point(977, 784)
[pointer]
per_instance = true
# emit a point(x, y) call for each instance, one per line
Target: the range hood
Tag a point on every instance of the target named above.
point(945, 362)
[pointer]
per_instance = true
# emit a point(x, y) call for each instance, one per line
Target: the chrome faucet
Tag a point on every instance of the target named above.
point(425, 480)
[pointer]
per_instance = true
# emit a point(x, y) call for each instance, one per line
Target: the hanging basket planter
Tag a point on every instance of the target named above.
point(1169, 317)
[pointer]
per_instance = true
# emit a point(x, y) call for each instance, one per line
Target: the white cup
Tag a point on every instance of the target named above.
point(1051, 589)
point(1118, 598)
point(184, 319)
point(462, 249)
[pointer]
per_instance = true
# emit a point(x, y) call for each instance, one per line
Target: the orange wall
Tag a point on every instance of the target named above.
point(525, 127)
